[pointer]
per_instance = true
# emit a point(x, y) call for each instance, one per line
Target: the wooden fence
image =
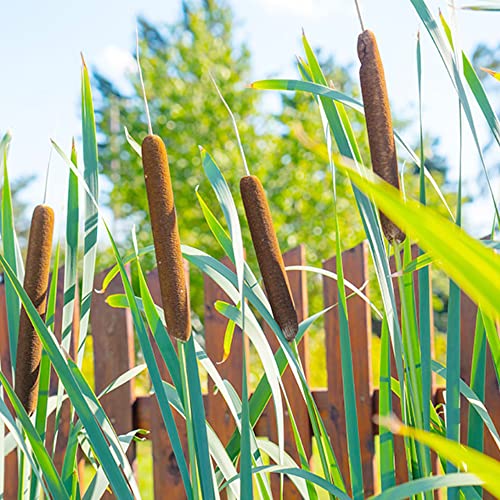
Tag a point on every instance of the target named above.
point(114, 353)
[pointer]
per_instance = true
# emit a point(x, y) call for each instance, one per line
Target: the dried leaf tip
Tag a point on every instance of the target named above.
point(391, 422)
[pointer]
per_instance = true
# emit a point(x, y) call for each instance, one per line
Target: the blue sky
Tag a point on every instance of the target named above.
point(40, 54)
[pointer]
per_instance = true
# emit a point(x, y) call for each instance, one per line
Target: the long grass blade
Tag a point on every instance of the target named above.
point(452, 67)
point(57, 357)
point(480, 279)
point(198, 414)
point(91, 170)
point(50, 475)
point(483, 467)
point(9, 251)
point(387, 469)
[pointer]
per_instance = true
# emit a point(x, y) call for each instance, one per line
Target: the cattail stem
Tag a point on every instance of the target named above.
point(148, 116)
point(378, 122)
point(36, 282)
point(174, 293)
point(269, 255)
point(360, 18)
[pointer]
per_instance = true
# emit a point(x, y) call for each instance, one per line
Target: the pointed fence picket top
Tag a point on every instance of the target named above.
point(114, 353)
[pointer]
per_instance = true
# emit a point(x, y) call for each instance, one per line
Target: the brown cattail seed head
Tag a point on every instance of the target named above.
point(173, 288)
point(269, 255)
point(36, 282)
point(378, 122)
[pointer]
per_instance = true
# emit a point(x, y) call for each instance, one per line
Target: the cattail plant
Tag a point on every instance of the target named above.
point(174, 293)
point(378, 122)
point(265, 243)
point(269, 255)
point(36, 281)
point(173, 287)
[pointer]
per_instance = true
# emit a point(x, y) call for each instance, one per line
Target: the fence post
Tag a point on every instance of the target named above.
point(400, 464)
point(114, 354)
point(468, 315)
point(355, 265)
point(64, 423)
point(399, 446)
point(298, 286)
point(167, 479)
point(217, 412)
point(10, 468)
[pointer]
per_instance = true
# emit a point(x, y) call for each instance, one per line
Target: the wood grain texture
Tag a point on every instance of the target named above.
point(114, 354)
point(167, 481)
point(10, 470)
point(355, 265)
point(298, 286)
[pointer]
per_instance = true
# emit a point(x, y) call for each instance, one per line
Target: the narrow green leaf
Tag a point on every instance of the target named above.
point(9, 250)
point(154, 371)
point(50, 475)
point(91, 171)
point(483, 467)
point(452, 68)
point(57, 357)
point(426, 484)
point(474, 401)
point(198, 413)
point(480, 279)
point(387, 469)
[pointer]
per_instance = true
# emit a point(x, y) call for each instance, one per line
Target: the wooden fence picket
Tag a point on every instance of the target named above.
point(355, 265)
point(231, 370)
point(167, 481)
point(64, 423)
point(298, 286)
point(468, 314)
point(10, 466)
point(114, 354)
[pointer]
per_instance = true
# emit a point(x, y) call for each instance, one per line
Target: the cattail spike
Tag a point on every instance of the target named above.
point(269, 255)
point(378, 122)
point(173, 288)
point(36, 282)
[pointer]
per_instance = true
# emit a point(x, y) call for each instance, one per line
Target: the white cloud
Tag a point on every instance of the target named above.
point(116, 63)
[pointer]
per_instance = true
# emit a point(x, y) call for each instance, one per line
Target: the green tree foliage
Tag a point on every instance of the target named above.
point(285, 149)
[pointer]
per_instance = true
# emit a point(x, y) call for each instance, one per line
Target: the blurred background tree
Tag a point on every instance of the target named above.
point(286, 149)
